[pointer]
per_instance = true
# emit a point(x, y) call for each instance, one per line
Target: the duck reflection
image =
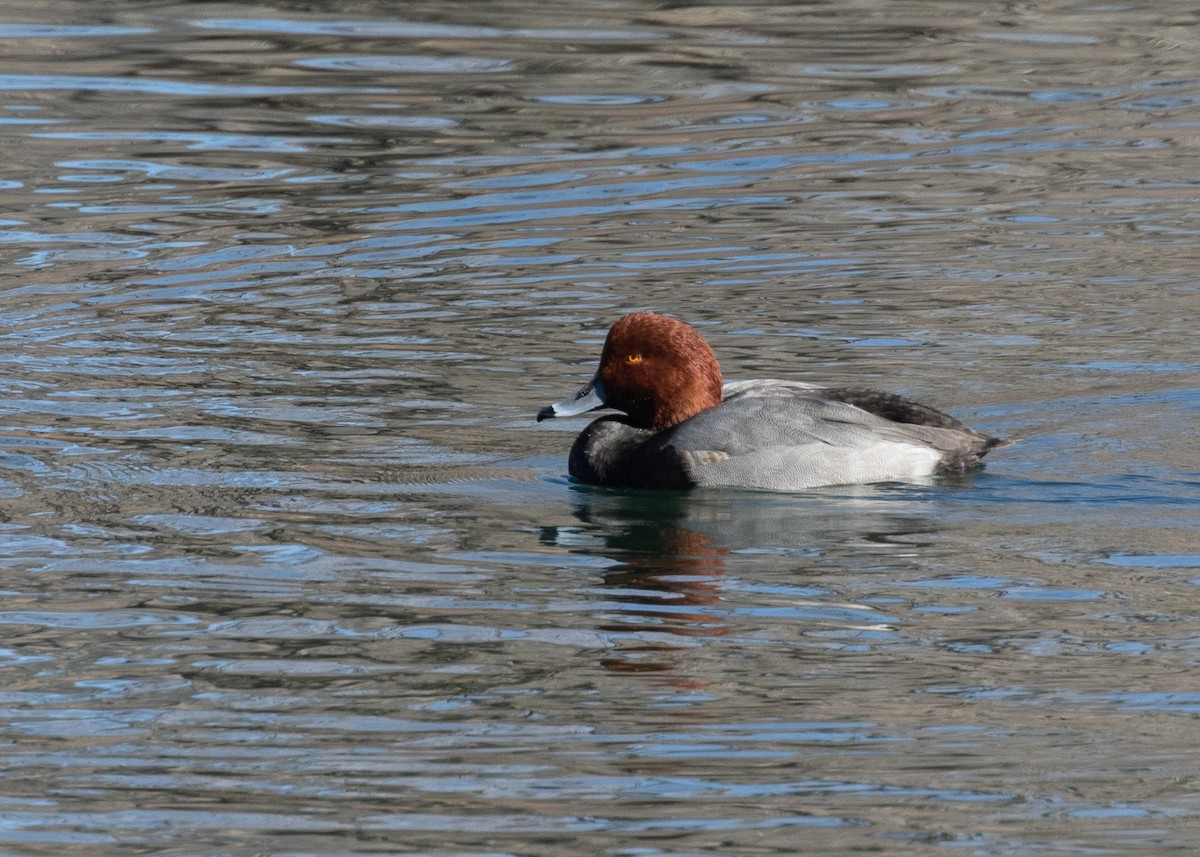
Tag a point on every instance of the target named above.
point(671, 550)
point(667, 582)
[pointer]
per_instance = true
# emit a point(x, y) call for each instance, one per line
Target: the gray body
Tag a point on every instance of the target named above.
point(783, 436)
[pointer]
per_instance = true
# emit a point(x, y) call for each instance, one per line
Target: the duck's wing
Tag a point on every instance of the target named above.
point(790, 436)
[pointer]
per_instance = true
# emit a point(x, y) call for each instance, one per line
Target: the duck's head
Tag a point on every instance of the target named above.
point(656, 369)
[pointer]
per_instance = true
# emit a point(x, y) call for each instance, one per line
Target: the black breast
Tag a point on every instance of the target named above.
point(612, 452)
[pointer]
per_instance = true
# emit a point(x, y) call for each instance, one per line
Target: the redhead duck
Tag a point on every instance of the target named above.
point(682, 427)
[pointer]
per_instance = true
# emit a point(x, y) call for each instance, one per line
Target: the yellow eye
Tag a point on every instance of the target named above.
point(633, 358)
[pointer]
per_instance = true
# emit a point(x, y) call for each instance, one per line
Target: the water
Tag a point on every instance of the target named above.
point(288, 568)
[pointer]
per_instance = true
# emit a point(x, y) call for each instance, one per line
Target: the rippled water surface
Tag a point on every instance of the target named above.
point(288, 568)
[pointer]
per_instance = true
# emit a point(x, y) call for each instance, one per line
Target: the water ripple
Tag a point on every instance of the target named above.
point(43, 82)
point(284, 557)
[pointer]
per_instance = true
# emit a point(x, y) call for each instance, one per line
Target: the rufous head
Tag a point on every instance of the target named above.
point(658, 370)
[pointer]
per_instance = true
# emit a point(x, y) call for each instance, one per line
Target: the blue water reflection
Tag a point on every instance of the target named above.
point(287, 566)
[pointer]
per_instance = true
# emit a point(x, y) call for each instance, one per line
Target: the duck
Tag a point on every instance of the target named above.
point(682, 426)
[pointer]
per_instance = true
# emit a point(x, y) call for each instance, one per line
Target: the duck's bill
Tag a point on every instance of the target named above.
point(589, 397)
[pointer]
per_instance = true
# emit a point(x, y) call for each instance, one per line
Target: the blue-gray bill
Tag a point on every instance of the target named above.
point(589, 397)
